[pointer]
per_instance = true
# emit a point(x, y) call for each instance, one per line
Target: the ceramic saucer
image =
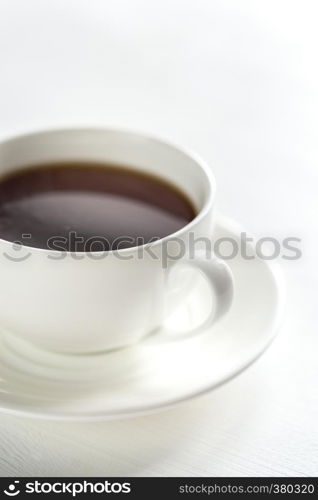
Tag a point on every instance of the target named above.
point(149, 376)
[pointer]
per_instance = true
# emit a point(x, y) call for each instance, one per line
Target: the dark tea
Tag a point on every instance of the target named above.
point(64, 206)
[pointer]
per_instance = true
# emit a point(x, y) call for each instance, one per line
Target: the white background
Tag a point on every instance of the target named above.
point(237, 81)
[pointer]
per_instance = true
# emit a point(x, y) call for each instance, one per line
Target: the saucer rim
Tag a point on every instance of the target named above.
point(271, 331)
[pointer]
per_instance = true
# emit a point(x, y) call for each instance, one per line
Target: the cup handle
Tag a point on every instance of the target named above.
point(219, 276)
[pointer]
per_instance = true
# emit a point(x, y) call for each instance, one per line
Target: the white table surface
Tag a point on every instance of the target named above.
point(237, 81)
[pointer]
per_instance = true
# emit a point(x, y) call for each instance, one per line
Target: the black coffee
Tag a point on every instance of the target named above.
point(88, 207)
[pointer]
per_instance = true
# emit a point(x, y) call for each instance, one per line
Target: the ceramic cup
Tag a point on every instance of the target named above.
point(95, 301)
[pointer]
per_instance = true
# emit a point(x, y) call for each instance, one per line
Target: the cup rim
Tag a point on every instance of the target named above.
point(190, 153)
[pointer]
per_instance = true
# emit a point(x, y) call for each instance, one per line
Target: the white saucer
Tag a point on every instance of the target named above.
point(148, 377)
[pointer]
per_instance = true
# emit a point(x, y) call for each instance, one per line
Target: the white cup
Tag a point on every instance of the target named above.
point(91, 302)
